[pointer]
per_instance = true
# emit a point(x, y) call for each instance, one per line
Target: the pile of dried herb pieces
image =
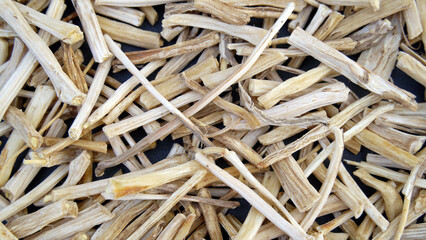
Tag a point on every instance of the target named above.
point(217, 86)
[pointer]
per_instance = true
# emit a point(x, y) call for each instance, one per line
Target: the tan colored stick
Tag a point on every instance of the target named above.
point(140, 57)
point(124, 14)
point(83, 144)
point(361, 3)
point(92, 30)
point(302, 18)
point(95, 89)
point(384, 147)
point(132, 3)
point(381, 57)
point(170, 127)
point(19, 50)
point(25, 225)
point(412, 67)
point(252, 198)
point(329, 180)
point(171, 86)
point(350, 69)
point(210, 216)
point(6, 234)
point(124, 214)
point(4, 51)
point(173, 227)
point(254, 219)
point(225, 222)
point(222, 11)
point(128, 34)
point(188, 198)
point(122, 57)
point(421, 6)
point(299, 5)
point(409, 142)
point(319, 32)
point(115, 97)
point(392, 200)
point(294, 182)
point(77, 168)
point(127, 185)
point(386, 173)
point(369, 35)
point(19, 121)
point(88, 218)
point(413, 20)
point(168, 204)
point(294, 85)
point(35, 194)
point(233, 171)
point(64, 87)
point(132, 123)
point(66, 32)
point(36, 109)
point(185, 228)
point(251, 34)
point(97, 187)
point(368, 15)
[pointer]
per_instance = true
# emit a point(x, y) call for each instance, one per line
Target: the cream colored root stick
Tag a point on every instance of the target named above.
point(64, 87)
point(95, 89)
point(92, 30)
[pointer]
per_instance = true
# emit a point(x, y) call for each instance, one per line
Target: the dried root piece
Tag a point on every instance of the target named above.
point(168, 204)
point(19, 121)
point(35, 194)
point(87, 218)
point(124, 14)
point(66, 32)
point(210, 216)
point(92, 96)
point(127, 185)
point(123, 214)
point(412, 67)
point(128, 34)
point(186, 195)
point(293, 85)
point(251, 34)
point(392, 200)
point(368, 15)
point(252, 198)
point(353, 71)
point(225, 12)
point(64, 87)
point(26, 225)
point(369, 36)
point(170, 127)
point(140, 57)
point(92, 30)
point(294, 182)
point(6, 234)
